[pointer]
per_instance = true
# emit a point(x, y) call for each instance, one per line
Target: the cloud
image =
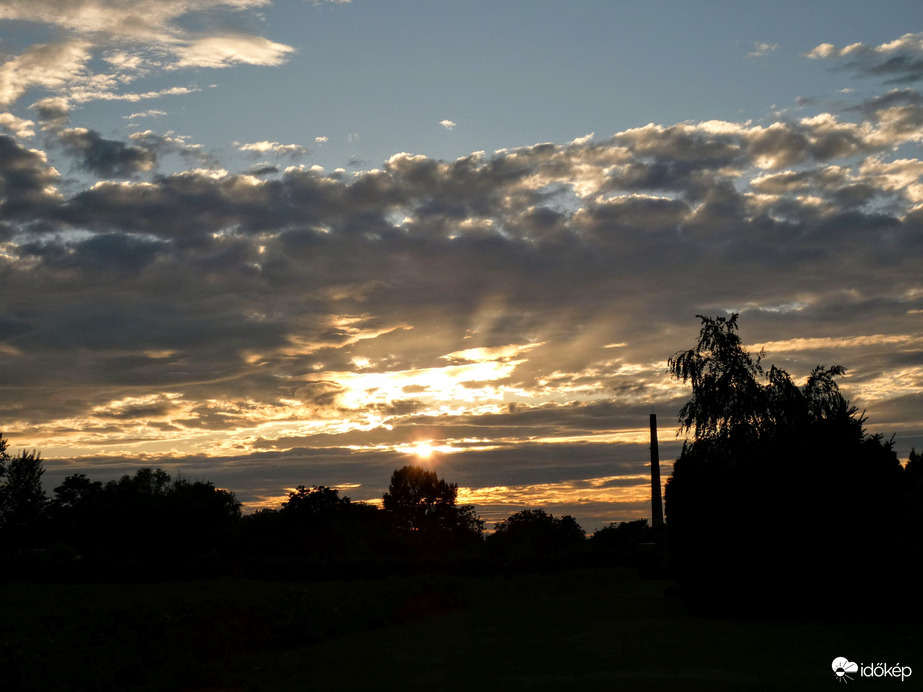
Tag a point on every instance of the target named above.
point(90, 92)
point(153, 406)
point(105, 45)
point(447, 124)
point(265, 147)
point(224, 51)
point(27, 182)
point(482, 235)
point(20, 127)
point(761, 49)
point(106, 157)
point(261, 170)
point(900, 61)
point(171, 143)
point(150, 113)
point(53, 112)
point(49, 66)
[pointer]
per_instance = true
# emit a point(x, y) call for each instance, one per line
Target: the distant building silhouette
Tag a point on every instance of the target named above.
point(656, 498)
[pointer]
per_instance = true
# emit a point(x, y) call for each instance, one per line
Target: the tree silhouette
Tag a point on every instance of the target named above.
point(146, 516)
point(22, 498)
point(622, 536)
point(146, 482)
point(420, 501)
point(318, 522)
point(202, 518)
point(774, 478)
point(77, 492)
point(727, 406)
point(913, 500)
point(533, 533)
point(76, 516)
point(731, 411)
point(633, 544)
point(316, 503)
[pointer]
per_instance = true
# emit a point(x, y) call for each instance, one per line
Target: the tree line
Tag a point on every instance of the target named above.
point(151, 524)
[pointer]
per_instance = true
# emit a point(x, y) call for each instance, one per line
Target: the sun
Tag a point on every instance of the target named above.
point(423, 450)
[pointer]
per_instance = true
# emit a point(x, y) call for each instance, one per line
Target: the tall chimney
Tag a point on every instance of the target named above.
point(656, 498)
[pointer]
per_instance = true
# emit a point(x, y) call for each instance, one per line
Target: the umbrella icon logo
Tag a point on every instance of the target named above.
point(842, 666)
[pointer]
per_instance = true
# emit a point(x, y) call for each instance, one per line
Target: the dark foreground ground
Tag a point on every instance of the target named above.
point(581, 630)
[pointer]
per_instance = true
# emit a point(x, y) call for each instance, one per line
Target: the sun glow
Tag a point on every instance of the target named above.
point(423, 450)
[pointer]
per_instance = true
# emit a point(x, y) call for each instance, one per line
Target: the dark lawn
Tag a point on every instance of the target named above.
point(597, 630)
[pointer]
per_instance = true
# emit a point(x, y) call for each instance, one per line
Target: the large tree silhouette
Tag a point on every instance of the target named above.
point(420, 501)
point(779, 484)
point(22, 498)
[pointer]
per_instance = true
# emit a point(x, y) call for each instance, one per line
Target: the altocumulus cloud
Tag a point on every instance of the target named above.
point(265, 147)
point(100, 46)
point(900, 60)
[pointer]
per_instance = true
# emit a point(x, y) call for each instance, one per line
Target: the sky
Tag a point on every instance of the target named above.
point(271, 244)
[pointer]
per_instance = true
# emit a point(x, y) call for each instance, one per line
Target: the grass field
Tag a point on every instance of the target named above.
point(586, 630)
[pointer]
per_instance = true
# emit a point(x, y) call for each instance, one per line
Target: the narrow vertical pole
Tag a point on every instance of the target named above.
point(656, 498)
